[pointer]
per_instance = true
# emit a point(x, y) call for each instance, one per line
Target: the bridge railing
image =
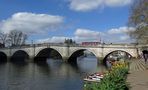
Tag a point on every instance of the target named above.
point(74, 45)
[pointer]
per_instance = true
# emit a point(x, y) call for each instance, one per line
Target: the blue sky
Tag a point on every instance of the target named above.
point(55, 20)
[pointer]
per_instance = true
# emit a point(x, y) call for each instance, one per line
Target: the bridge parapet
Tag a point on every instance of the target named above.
point(76, 45)
point(66, 51)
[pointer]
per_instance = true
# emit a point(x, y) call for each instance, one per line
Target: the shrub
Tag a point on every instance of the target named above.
point(114, 80)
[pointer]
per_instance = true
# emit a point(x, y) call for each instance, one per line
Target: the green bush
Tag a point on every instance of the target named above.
point(115, 80)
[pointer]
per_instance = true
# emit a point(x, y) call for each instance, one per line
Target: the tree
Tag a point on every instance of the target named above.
point(139, 20)
point(17, 38)
point(69, 41)
point(3, 38)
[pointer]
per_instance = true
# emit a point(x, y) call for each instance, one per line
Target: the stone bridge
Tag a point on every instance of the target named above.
point(68, 51)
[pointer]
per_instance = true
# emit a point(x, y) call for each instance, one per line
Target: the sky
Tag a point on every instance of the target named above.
point(57, 20)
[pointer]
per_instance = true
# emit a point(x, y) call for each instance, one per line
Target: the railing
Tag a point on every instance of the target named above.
point(74, 45)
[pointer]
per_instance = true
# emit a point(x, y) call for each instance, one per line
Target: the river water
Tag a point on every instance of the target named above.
point(52, 75)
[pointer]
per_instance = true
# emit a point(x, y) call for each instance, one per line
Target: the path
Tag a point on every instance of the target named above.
point(138, 77)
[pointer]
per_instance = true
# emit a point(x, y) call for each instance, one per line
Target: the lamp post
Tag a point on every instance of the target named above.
point(32, 42)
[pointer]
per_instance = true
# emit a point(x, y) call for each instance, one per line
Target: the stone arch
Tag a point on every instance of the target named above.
point(38, 50)
point(106, 56)
point(88, 49)
point(19, 56)
point(25, 50)
point(73, 56)
point(3, 57)
point(45, 53)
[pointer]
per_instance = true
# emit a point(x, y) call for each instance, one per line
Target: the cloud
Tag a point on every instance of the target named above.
point(82, 34)
point(86, 33)
point(124, 37)
point(57, 39)
point(88, 5)
point(116, 3)
point(120, 30)
point(85, 5)
point(31, 22)
point(117, 35)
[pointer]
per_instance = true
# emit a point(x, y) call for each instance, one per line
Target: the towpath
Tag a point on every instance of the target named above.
point(138, 77)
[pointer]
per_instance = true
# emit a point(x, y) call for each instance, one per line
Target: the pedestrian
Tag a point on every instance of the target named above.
point(145, 55)
point(109, 65)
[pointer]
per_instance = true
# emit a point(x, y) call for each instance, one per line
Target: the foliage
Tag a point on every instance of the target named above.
point(114, 80)
point(139, 20)
point(69, 41)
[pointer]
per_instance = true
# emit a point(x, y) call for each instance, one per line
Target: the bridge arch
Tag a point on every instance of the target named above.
point(76, 53)
point(3, 57)
point(45, 53)
point(92, 50)
point(19, 56)
point(116, 55)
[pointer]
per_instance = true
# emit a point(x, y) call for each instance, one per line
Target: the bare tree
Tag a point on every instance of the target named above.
point(139, 20)
point(3, 38)
point(17, 38)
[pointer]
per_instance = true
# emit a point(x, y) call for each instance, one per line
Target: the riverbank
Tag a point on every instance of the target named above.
point(138, 77)
point(114, 79)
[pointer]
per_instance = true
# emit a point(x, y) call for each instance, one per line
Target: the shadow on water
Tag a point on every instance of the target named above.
point(3, 62)
point(19, 61)
point(39, 60)
point(74, 65)
point(3, 58)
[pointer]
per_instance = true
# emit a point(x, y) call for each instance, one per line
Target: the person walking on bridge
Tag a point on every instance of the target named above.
point(145, 55)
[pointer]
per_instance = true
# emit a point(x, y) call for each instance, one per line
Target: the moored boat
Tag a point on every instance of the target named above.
point(96, 77)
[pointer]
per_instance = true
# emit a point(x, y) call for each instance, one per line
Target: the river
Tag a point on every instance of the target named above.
point(52, 75)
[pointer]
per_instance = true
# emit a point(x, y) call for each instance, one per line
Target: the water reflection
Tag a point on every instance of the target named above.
point(88, 64)
point(50, 75)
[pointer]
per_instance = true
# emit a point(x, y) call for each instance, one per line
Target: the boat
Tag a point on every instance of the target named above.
point(91, 80)
point(96, 77)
